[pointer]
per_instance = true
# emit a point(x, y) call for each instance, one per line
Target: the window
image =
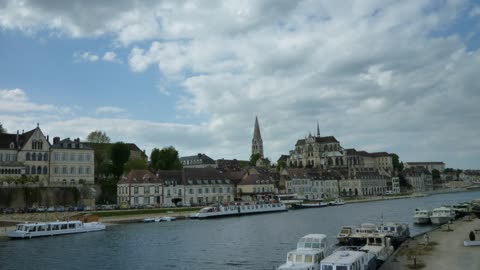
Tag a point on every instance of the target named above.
point(179, 192)
point(298, 258)
point(87, 157)
point(168, 192)
point(327, 267)
point(135, 190)
point(214, 190)
point(220, 190)
point(34, 156)
point(290, 257)
point(199, 191)
point(34, 171)
point(72, 170)
point(27, 170)
point(87, 170)
point(64, 170)
point(80, 170)
point(55, 170)
point(190, 191)
point(157, 189)
point(135, 200)
point(308, 258)
point(57, 156)
point(146, 190)
point(206, 190)
point(72, 156)
point(27, 156)
point(45, 156)
point(72, 182)
point(64, 156)
point(80, 157)
point(45, 170)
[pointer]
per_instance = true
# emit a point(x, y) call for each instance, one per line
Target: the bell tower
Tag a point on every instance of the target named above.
point(257, 143)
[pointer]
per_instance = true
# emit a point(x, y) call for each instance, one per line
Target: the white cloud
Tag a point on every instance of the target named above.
point(111, 57)
point(16, 101)
point(85, 57)
point(374, 73)
point(475, 11)
point(109, 109)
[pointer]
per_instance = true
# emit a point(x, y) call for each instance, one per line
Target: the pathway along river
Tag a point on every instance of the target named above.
point(250, 242)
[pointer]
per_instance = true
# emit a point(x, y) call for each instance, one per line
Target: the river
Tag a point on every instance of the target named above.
point(249, 242)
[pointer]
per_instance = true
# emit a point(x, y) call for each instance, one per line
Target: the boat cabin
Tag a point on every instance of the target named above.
point(443, 211)
point(52, 226)
point(347, 260)
point(311, 249)
point(394, 229)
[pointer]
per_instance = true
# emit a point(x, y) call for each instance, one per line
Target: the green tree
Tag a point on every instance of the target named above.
point(281, 164)
point(2, 129)
point(435, 174)
point(98, 136)
point(135, 164)
point(254, 158)
point(119, 153)
point(165, 159)
point(397, 164)
point(449, 171)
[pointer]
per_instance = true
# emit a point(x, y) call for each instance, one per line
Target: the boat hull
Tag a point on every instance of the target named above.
point(27, 235)
point(421, 220)
point(308, 205)
point(440, 220)
point(237, 212)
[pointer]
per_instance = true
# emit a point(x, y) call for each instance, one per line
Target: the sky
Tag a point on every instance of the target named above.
point(395, 76)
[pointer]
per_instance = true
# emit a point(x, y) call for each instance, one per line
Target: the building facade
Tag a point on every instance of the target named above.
point(437, 165)
point(197, 161)
point(139, 187)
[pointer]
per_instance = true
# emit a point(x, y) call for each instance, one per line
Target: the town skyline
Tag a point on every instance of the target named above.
point(379, 76)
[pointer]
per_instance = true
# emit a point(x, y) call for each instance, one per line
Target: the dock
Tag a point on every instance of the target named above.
point(444, 249)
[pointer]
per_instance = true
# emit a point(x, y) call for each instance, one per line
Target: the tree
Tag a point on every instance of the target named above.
point(254, 158)
point(98, 136)
point(119, 153)
point(435, 174)
point(136, 164)
point(397, 164)
point(2, 129)
point(165, 159)
point(281, 164)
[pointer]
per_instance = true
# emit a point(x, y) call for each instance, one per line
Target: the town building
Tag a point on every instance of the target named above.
point(317, 152)
point(257, 184)
point(393, 186)
point(437, 165)
point(197, 161)
point(312, 183)
point(350, 187)
point(139, 187)
point(364, 161)
point(471, 176)
point(72, 162)
point(419, 178)
point(372, 183)
point(226, 165)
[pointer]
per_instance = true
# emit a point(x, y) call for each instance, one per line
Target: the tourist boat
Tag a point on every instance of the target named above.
point(159, 219)
point(380, 245)
point(238, 209)
point(349, 258)
point(462, 209)
point(476, 210)
point(398, 232)
point(422, 216)
point(30, 230)
point(313, 204)
point(442, 215)
point(311, 249)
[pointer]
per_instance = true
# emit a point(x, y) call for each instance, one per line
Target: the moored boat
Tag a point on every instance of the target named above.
point(337, 201)
point(238, 209)
point(442, 215)
point(31, 230)
point(380, 245)
point(355, 235)
point(422, 216)
point(398, 232)
point(347, 258)
point(311, 249)
point(309, 205)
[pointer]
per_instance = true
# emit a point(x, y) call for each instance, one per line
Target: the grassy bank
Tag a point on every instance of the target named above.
point(135, 212)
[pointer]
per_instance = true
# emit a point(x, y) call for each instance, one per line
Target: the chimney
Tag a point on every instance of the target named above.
point(48, 138)
point(56, 140)
point(23, 131)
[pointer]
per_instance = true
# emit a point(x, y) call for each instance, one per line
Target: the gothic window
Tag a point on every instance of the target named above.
point(34, 145)
point(27, 170)
point(72, 182)
point(12, 145)
point(72, 170)
point(34, 171)
point(39, 170)
point(34, 156)
point(27, 157)
point(45, 156)
point(64, 170)
point(45, 170)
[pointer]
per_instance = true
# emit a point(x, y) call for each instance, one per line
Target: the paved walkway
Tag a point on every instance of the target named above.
point(445, 251)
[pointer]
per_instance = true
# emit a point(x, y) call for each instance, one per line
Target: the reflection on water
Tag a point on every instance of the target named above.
point(249, 242)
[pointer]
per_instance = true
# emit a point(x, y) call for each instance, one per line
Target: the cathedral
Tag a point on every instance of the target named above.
point(257, 143)
point(317, 152)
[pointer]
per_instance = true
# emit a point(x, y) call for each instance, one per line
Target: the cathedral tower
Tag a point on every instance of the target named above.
point(257, 143)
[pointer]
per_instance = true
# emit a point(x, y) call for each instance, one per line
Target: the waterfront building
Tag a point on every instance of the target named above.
point(257, 143)
point(419, 178)
point(317, 152)
point(372, 183)
point(364, 161)
point(312, 183)
point(350, 187)
point(26, 154)
point(437, 165)
point(139, 187)
point(197, 161)
point(393, 185)
point(206, 185)
point(257, 183)
point(72, 162)
point(470, 176)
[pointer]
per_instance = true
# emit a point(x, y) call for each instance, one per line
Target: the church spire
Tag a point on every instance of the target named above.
point(257, 143)
point(318, 130)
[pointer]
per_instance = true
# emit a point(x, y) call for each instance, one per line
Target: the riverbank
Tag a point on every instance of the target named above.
point(444, 250)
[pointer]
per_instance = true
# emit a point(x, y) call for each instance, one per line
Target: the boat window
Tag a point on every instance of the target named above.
point(316, 245)
point(371, 240)
point(49, 227)
point(54, 227)
point(341, 267)
point(378, 240)
point(308, 258)
point(298, 258)
point(327, 267)
point(290, 257)
point(64, 226)
point(71, 226)
point(41, 228)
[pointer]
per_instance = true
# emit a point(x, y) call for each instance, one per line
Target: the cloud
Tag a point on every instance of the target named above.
point(16, 101)
point(111, 57)
point(391, 74)
point(475, 11)
point(109, 109)
point(85, 57)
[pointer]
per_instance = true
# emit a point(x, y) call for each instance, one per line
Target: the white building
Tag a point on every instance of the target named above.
point(139, 187)
point(437, 165)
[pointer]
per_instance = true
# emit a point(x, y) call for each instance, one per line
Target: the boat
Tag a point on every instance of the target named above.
point(422, 216)
point(311, 249)
point(380, 245)
point(476, 210)
point(313, 204)
point(148, 220)
point(30, 230)
point(398, 232)
point(442, 215)
point(355, 235)
point(462, 209)
point(349, 258)
point(166, 218)
point(238, 209)
point(337, 201)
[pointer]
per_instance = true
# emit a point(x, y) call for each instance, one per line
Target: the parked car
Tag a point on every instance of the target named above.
point(8, 211)
point(88, 208)
point(41, 209)
point(31, 210)
point(51, 209)
point(80, 208)
point(60, 209)
point(71, 209)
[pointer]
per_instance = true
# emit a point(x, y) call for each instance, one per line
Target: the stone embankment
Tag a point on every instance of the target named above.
point(443, 250)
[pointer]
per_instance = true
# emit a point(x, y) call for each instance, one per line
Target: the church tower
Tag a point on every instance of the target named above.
point(257, 143)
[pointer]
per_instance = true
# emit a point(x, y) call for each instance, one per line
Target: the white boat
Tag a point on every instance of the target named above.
point(348, 259)
point(30, 230)
point(422, 216)
point(148, 220)
point(311, 249)
point(357, 235)
point(442, 215)
point(398, 232)
point(166, 218)
point(238, 209)
point(380, 245)
point(337, 201)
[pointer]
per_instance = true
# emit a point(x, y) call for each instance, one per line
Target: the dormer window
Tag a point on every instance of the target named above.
point(12, 145)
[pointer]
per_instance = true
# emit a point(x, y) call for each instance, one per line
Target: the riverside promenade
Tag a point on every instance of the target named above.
point(444, 250)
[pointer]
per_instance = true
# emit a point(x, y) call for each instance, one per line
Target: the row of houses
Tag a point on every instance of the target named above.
point(200, 186)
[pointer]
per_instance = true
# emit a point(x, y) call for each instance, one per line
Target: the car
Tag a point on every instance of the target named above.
point(51, 209)
point(41, 209)
point(80, 208)
point(88, 208)
point(389, 192)
point(60, 209)
point(71, 209)
point(9, 211)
